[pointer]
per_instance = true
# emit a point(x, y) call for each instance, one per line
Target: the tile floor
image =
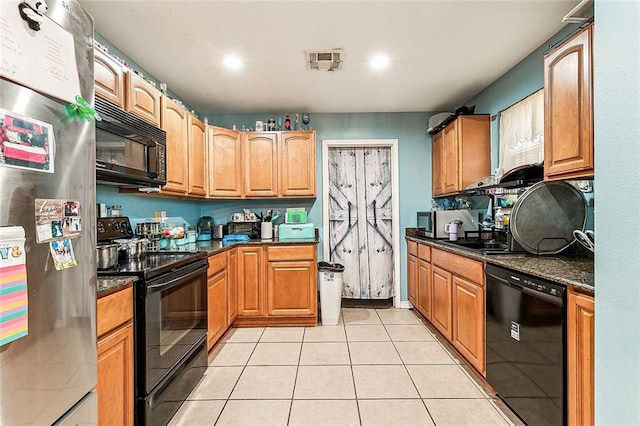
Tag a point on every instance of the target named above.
point(376, 367)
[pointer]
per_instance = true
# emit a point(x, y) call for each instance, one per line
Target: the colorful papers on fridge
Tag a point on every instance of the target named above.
point(13, 285)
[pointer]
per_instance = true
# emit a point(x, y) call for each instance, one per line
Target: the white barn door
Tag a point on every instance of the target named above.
point(360, 219)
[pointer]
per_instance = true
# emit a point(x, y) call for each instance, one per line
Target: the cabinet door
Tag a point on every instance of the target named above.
point(291, 288)
point(568, 109)
point(109, 78)
point(468, 334)
point(232, 285)
point(580, 358)
point(142, 99)
point(441, 282)
point(175, 123)
point(115, 377)
point(450, 155)
point(197, 158)
point(225, 163)
point(297, 164)
point(216, 307)
point(250, 281)
point(260, 164)
point(412, 279)
point(474, 148)
point(437, 163)
point(424, 288)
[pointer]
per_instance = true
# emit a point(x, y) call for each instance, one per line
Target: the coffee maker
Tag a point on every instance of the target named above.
point(205, 228)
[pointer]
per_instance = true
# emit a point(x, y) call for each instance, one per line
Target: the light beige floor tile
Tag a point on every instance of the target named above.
point(465, 412)
point(366, 333)
point(261, 412)
point(373, 353)
point(443, 381)
point(265, 382)
point(324, 333)
point(383, 381)
point(276, 354)
point(233, 354)
point(409, 333)
point(397, 316)
point(197, 413)
point(282, 334)
point(247, 335)
point(360, 316)
point(324, 382)
point(324, 413)
point(325, 353)
point(393, 412)
point(423, 353)
point(217, 383)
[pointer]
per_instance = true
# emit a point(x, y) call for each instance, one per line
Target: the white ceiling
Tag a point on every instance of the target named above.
point(442, 52)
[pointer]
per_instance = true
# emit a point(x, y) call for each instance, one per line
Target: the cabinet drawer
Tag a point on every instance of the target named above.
point(424, 252)
point(294, 252)
point(412, 248)
point(458, 265)
point(217, 263)
point(114, 310)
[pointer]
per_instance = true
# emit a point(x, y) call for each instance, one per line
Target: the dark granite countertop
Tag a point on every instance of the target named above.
point(110, 284)
point(216, 246)
point(575, 271)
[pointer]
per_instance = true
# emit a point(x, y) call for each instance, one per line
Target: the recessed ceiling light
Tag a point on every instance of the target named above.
point(379, 61)
point(233, 62)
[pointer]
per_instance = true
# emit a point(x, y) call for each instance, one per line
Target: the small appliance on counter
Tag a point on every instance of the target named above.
point(205, 228)
point(251, 229)
point(292, 231)
point(219, 232)
point(432, 224)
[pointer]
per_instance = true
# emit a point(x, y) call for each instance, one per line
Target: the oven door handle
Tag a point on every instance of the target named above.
point(154, 288)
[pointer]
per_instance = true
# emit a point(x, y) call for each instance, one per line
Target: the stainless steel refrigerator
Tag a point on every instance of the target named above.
point(47, 158)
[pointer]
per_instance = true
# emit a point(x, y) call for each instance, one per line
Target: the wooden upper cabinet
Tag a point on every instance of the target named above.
point(142, 99)
point(225, 163)
point(260, 164)
point(568, 109)
point(580, 358)
point(197, 158)
point(109, 78)
point(437, 163)
point(461, 154)
point(297, 164)
point(175, 123)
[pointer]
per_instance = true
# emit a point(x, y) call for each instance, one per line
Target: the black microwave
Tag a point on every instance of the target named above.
point(129, 151)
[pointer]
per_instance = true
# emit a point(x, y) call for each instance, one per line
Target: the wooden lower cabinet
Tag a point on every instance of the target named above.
point(424, 288)
point(277, 285)
point(441, 284)
point(232, 285)
point(580, 358)
point(250, 281)
point(217, 297)
point(412, 279)
point(468, 323)
point(115, 358)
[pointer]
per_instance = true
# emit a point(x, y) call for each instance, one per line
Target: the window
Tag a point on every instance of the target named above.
point(522, 132)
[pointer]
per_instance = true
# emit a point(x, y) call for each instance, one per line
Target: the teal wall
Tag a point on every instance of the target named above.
point(617, 151)
point(518, 83)
point(414, 152)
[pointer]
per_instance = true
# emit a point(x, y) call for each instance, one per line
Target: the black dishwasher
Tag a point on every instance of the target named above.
point(526, 341)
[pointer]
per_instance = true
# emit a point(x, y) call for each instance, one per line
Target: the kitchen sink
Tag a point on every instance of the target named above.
point(480, 246)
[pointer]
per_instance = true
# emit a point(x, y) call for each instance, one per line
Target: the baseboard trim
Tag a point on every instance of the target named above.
point(405, 304)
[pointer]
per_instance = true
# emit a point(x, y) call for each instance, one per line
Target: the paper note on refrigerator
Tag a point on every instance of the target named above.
point(13, 285)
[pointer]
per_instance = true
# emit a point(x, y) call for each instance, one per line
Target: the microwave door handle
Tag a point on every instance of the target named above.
point(153, 174)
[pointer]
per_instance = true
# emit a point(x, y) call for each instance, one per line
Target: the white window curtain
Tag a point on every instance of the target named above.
point(522, 132)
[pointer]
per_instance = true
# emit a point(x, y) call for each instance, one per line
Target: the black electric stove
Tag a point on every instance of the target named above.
point(147, 266)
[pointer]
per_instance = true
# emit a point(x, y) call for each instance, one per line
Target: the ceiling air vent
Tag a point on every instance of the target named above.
point(328, 60)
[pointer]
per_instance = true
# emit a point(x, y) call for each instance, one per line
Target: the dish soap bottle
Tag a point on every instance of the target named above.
point(498, 219)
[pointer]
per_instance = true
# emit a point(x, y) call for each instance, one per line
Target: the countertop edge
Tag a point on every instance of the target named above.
point(509, 261)
point(111, 283)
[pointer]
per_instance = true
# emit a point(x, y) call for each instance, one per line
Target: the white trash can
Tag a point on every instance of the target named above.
point(330, 291)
